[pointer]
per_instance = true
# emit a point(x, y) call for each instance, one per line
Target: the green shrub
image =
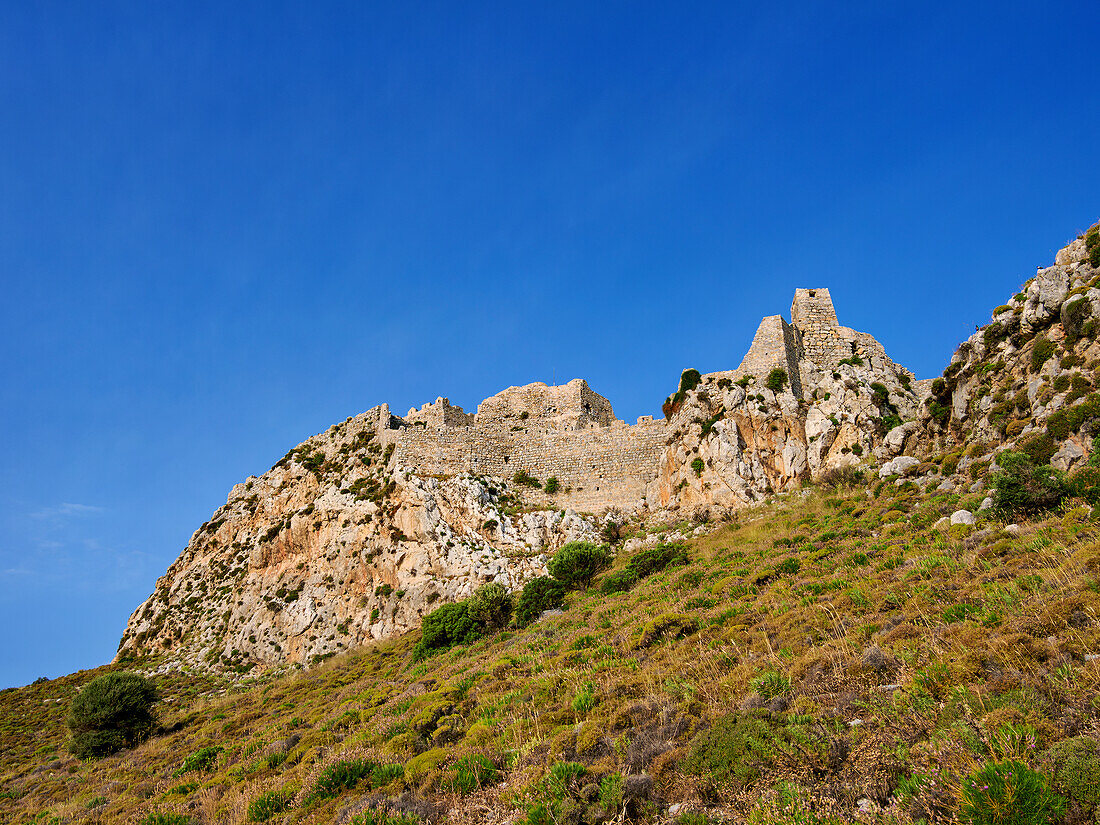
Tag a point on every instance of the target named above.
point(578, 562)
point(611, 792)
point(554, 795)
point(1041, 351)
point(736, 748)
point(1084, 483)
point(1075, 771)
point(1070, 419)
point(344, 775)
point(788, 567)
point(203, 759)
point(994, 334)
point(470, 773)
point(539, 595)
point(1075, 313)
point(585, 699)
point(165, 818)
point(939, 411)
point(655, 559)
point(697, 466)
point(381, 818)
point(112, 712)
point(1024, 488)
point(552, 485)
point(522, 477)
point(490, 605)
point(689, 380)
point(266, 805)
point(1039, 447)
point(444, 628)
point(1092, 245)
point(770, 684)
point(1007, 793)
point(618, 582)
point(776, 380)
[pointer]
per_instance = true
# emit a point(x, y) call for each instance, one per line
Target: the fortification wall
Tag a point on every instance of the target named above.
point(440, 413)
point(597, 467)
point(566, 406)
point(775, 344)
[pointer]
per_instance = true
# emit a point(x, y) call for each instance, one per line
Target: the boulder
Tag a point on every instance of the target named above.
point(895, 439)
point(898, 466)
point(962, 517)
point(1045, 295)
point(1068, 455)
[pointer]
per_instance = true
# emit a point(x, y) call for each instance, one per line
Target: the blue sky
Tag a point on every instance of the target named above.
point(226, 226)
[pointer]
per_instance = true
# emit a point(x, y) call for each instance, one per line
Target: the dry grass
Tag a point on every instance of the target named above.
point(972, 632)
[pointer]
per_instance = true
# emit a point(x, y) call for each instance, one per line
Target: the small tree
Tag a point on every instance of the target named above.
point(578, 562)
point(112, 712)
point(490, 605)
point(444, 628)
point(538, 595)
point(1022, 487)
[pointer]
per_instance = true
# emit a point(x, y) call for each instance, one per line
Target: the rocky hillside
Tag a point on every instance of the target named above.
point(336, 546)
point(360, 531)
point(1027, 381)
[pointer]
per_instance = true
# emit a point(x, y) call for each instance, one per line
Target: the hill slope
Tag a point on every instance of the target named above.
point(836, 642)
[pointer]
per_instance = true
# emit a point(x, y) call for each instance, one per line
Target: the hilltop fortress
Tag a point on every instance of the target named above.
point(571, 433)
point(359, 530)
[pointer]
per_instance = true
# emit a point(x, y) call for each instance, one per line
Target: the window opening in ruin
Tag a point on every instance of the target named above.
point(505, 459)
point(813, 293)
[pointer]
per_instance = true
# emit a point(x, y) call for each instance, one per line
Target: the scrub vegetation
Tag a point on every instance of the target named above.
point(828, 657)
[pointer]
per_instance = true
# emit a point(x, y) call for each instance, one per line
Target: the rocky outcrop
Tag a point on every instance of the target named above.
point(734, 442)
point(1028, 373)
point(334, 546)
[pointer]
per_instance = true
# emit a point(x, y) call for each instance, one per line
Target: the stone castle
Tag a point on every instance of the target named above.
point(571, 433)
point(813, 338)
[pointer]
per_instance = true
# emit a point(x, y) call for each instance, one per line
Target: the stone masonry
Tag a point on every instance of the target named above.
point(814, 339)
point(567, 431)
point(570, 432)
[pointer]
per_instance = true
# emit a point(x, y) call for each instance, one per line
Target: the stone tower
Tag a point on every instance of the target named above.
point(813, 315)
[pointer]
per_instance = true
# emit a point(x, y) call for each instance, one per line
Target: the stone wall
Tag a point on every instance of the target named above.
point(440, 413)
point(776, 344)
point(566, 431)
point(569, 406)
point(813, 314)
point(596, 468)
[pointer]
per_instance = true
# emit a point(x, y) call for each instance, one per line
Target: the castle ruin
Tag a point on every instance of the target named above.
point(814, 339)
point(571, 433)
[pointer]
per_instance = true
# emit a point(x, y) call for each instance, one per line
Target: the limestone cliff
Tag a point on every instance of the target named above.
point(334, 546)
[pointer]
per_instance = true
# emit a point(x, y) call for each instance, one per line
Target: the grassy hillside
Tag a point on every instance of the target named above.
point(829, 657)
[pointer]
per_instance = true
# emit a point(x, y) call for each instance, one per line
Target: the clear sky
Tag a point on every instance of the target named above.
point(225, 226)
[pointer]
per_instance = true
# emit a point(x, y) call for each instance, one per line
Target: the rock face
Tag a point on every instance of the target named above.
point(834, 398)
point(358, 532)
point(334, 546)
point(1029, 376)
